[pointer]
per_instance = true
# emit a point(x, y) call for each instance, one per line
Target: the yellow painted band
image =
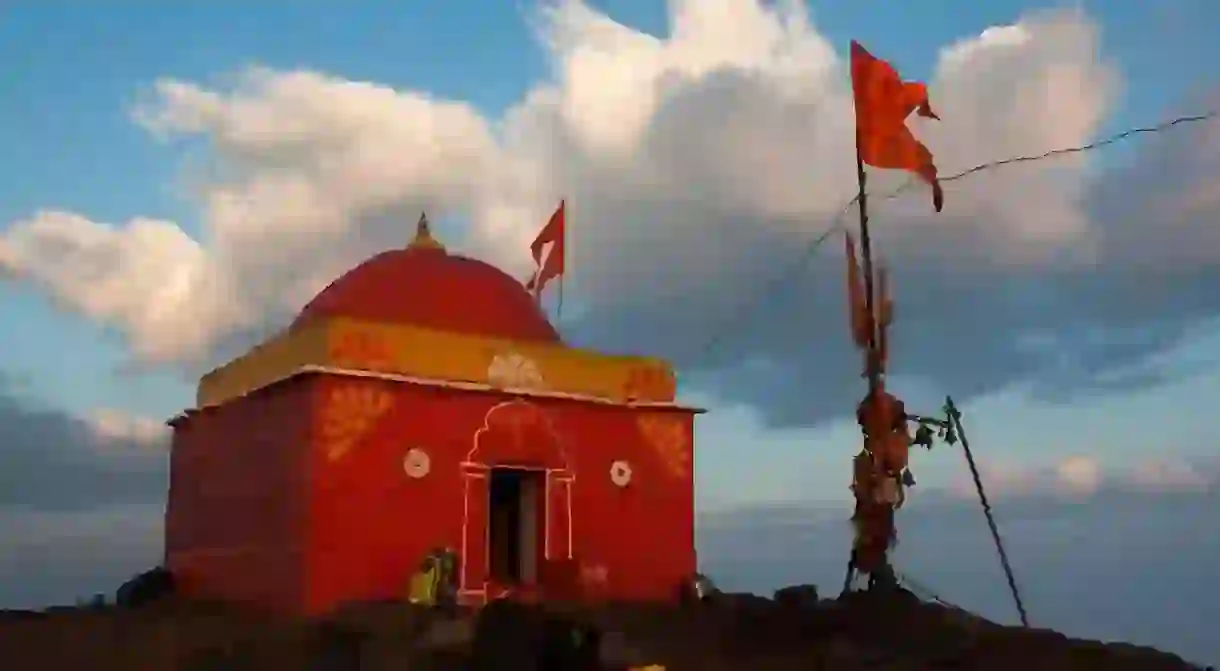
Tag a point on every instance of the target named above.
point(424, 353)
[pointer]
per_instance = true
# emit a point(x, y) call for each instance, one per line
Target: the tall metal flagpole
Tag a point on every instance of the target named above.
point(872, 363)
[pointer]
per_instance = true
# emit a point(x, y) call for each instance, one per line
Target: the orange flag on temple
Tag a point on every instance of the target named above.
point(553, 265)
point(883, 103)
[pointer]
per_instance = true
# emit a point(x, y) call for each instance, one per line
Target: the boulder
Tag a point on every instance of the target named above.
point(532, 639)
point(797, 596)
point(145, 588)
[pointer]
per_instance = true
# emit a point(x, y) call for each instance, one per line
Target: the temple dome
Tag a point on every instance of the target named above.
point(423, 285)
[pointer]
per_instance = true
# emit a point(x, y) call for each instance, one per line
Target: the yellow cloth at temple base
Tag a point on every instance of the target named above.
point(423, 587)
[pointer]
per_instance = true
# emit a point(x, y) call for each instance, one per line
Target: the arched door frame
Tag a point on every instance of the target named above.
point(487, 453)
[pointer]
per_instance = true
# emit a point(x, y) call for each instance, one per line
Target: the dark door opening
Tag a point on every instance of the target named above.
point(515, 521)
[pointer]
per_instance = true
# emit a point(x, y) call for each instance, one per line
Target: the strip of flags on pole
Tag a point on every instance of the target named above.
point(883, 101)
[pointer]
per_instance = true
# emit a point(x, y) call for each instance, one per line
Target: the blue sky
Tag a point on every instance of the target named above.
point(971, 303)
point(75, 71)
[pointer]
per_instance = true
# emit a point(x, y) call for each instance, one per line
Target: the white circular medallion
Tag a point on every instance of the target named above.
point(620, 473)
point(416, 463)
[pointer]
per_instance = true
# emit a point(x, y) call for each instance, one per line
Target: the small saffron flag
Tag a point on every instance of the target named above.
point(883, 103)
point(862, 325)
point(552, 266)
point(884, 317)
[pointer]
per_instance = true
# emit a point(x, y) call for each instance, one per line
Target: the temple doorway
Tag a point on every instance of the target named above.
point(515, 532)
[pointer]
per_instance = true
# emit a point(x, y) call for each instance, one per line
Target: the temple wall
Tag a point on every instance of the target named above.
point(371, 522)
point(235, 515)
point(641, 534)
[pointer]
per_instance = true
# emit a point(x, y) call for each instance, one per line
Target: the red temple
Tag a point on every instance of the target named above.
point(423, 400)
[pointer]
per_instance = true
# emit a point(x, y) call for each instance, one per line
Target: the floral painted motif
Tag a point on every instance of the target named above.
point(350, 412)
point(511, 370)
point(669, 438)
point(361, 350)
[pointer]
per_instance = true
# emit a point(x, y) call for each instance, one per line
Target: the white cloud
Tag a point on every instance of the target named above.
point(1170, 474)
point(1020, 90)
point(147, 278)
point(113, 427)
point(1081, 476)
point(741, 114)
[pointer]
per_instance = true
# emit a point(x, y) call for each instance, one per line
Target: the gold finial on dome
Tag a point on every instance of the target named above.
point(423, 236)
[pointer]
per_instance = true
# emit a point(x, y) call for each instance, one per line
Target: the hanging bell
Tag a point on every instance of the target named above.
point(923, 436)
point(908, 478)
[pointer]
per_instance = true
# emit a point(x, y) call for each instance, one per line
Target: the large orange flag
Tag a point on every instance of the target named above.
point(553, 265)
point(883, 103)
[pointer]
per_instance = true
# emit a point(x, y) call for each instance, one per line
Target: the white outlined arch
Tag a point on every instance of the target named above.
point(533, 409)
point(551, 460)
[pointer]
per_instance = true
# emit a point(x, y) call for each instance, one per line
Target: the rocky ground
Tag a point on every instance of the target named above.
point(859, 631)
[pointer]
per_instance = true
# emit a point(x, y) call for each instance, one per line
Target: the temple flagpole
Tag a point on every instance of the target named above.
point(866, 252)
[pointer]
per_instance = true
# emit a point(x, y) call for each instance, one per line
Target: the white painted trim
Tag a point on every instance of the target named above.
point(465, 523)
point(563, 474)
point(453, 384)
point(467, 476)
point(487, 533)
point(571, 518)
point(477, 466)
point(546, 516)
point(550, 426)
point(471, 469)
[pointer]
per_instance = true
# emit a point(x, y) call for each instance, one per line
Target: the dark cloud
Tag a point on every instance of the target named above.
point(52, 461)
point(1083, 319)
point(53, 558)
